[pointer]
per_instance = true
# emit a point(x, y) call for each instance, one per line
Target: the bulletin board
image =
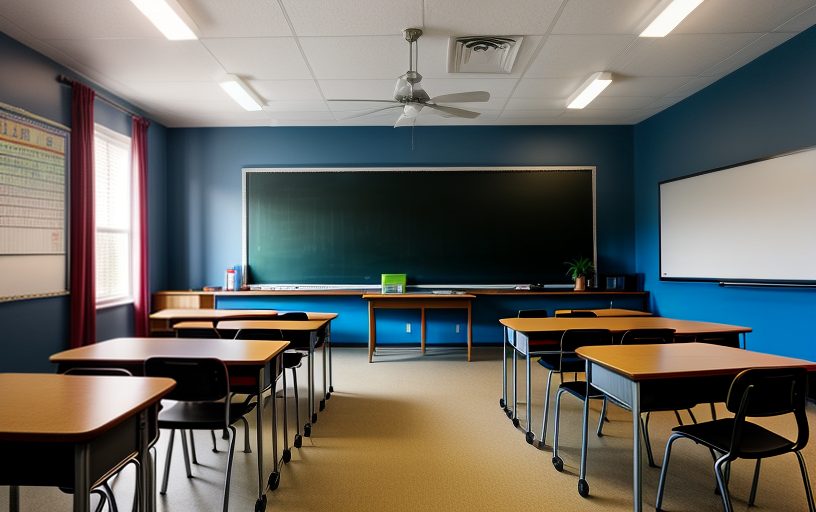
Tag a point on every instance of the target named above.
point(33, 200)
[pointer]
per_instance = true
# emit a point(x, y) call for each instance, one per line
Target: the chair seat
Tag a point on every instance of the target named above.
point(758, 442)
point(578, 388)
point(291, 359)
point(201, 415)
point(567, 364)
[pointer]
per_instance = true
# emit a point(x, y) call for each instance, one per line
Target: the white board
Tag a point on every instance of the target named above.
point(751, 222)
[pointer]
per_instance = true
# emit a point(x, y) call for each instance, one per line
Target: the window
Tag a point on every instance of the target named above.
point(114, 217)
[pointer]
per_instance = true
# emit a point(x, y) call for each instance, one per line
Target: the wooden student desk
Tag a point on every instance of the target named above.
point(518, 330)
point(162, 321)
point(627, 372)
point(314, 328)
point(246, 361)
point(75, 431)
point(420, 301)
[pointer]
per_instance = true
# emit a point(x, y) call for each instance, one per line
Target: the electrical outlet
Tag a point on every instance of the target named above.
point(408, 328)
point(457, 328)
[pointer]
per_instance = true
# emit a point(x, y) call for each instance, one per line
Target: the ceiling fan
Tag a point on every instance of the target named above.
point(412, 98)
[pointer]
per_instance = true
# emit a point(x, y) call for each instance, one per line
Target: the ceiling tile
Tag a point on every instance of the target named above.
point(654, 87)
point(801, 22)
point(498, 88)
point(546, 87)
point(179, 96)
point(604, 16)
point(244, 18)
point(297, 106)
point(358, 89)
point(147, 60)
point(531, 113)
point(740, 16)
point(681, 55)
point(748, 53)
point(692, 86)
point(577, 56)
point(488, 17)
point(266, 58)
point(356, 57)
point(286, 90)
point(536, 104)
point(84, 19)
point(627, 103)
point(353, 17)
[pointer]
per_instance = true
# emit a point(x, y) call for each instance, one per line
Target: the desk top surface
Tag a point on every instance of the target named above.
point(211, 314)
point(409, 296)
point(619, 324)
point(604, 312)
point(284, 325)
point(71, 408)
point(677, 360)
point(136, 350)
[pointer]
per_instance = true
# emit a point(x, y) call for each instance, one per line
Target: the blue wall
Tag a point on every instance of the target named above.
point(765, 108)
point(34, 329)
point(205, 184)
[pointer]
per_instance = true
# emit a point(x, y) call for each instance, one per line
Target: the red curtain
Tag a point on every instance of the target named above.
point(141, 296)
point(83, 228)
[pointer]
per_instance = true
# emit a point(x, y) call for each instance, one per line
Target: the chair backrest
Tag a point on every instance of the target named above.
point(763, 392)
point(105, 372)
point(298, 339)
point(725, 339)
point(647, 336)
point(292, 315)
point(573, 339)
point(195, 329)
point(198, 379)
point(532, 313)
point(576, 313)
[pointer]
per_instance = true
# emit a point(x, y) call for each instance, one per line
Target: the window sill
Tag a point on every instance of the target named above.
point(112, 303)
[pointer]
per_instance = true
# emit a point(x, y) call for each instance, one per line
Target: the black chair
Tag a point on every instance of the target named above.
point(661, 402)
point(571, 340)
point(753, 393)
point(576, 313)
point(202, 396)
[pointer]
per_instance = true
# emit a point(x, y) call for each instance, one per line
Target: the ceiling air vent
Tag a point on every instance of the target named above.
point(483, 54)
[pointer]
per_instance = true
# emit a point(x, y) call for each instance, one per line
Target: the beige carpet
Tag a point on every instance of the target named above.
point(412, 433)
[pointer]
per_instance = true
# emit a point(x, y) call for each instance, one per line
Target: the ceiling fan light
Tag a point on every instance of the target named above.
point(241, 94)
point(589, 90)
point(169, 18)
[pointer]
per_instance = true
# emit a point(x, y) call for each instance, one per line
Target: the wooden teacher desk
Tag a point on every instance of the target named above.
point(629, 372)
point(74, 431)
point(246, 362)
point(518, 330)
point(421, 301)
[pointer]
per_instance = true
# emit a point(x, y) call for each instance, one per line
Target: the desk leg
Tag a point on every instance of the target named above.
point(637, 476)
point(503, 400)
point(144, 498)
point(312, 342)
point(325, 394)
point(470, 330)
point(583, 486)
point(422, 330)
point(331, 372)
point(529, 434)
point(14, 498)
point(514, 416)
point(82, 480)
point(372, 331)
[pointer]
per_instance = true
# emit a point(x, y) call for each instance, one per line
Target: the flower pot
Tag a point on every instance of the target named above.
point(580, 283)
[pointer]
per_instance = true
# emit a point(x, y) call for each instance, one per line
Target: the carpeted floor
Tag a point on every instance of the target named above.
point(412, 433)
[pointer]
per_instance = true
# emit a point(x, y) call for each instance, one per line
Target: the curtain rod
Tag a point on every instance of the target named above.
point(69, 81)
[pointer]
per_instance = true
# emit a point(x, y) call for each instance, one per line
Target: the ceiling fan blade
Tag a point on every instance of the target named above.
point(463, 97)
point(457, 112)
point(369, 112)
point(374, 101)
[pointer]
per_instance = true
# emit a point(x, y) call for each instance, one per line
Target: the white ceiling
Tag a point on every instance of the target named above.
point(296, 54)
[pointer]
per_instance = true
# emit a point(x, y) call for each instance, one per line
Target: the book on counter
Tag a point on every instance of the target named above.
point(211, 289)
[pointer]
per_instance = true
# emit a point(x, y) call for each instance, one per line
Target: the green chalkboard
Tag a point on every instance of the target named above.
point(437, 225)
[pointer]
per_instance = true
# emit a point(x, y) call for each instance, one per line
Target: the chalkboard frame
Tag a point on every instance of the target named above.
point(591, 169)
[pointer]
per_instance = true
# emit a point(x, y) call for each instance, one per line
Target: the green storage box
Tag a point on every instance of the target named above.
point(393, 283)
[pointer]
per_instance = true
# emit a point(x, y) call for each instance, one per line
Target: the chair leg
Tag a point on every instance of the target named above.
point(193, 448)
point(722, 482)
point(111, 498)
point(645, 426)
point(664, 471)
point(543, 438)
point(556, 460)
point(230, 455)
point(214, 448)
point(186, 454)
point(806, 481)
point(138, 478)
point(103, 498)
point(754, 483)
point(713, 411)
point(247, 447)
point(168, 458)
point(599, 431)
point(298, 437)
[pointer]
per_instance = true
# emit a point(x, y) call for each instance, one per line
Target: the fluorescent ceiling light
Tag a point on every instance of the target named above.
point(239, 92)
point(590, 89)
point(169, 18)
point(671, 16)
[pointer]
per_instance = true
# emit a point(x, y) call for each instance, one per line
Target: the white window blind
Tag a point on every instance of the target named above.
point(114, 217)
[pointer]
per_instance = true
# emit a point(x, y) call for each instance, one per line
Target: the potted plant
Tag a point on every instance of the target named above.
point(579, 270)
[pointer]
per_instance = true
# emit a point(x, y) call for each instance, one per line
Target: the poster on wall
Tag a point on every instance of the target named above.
point(33, 218)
